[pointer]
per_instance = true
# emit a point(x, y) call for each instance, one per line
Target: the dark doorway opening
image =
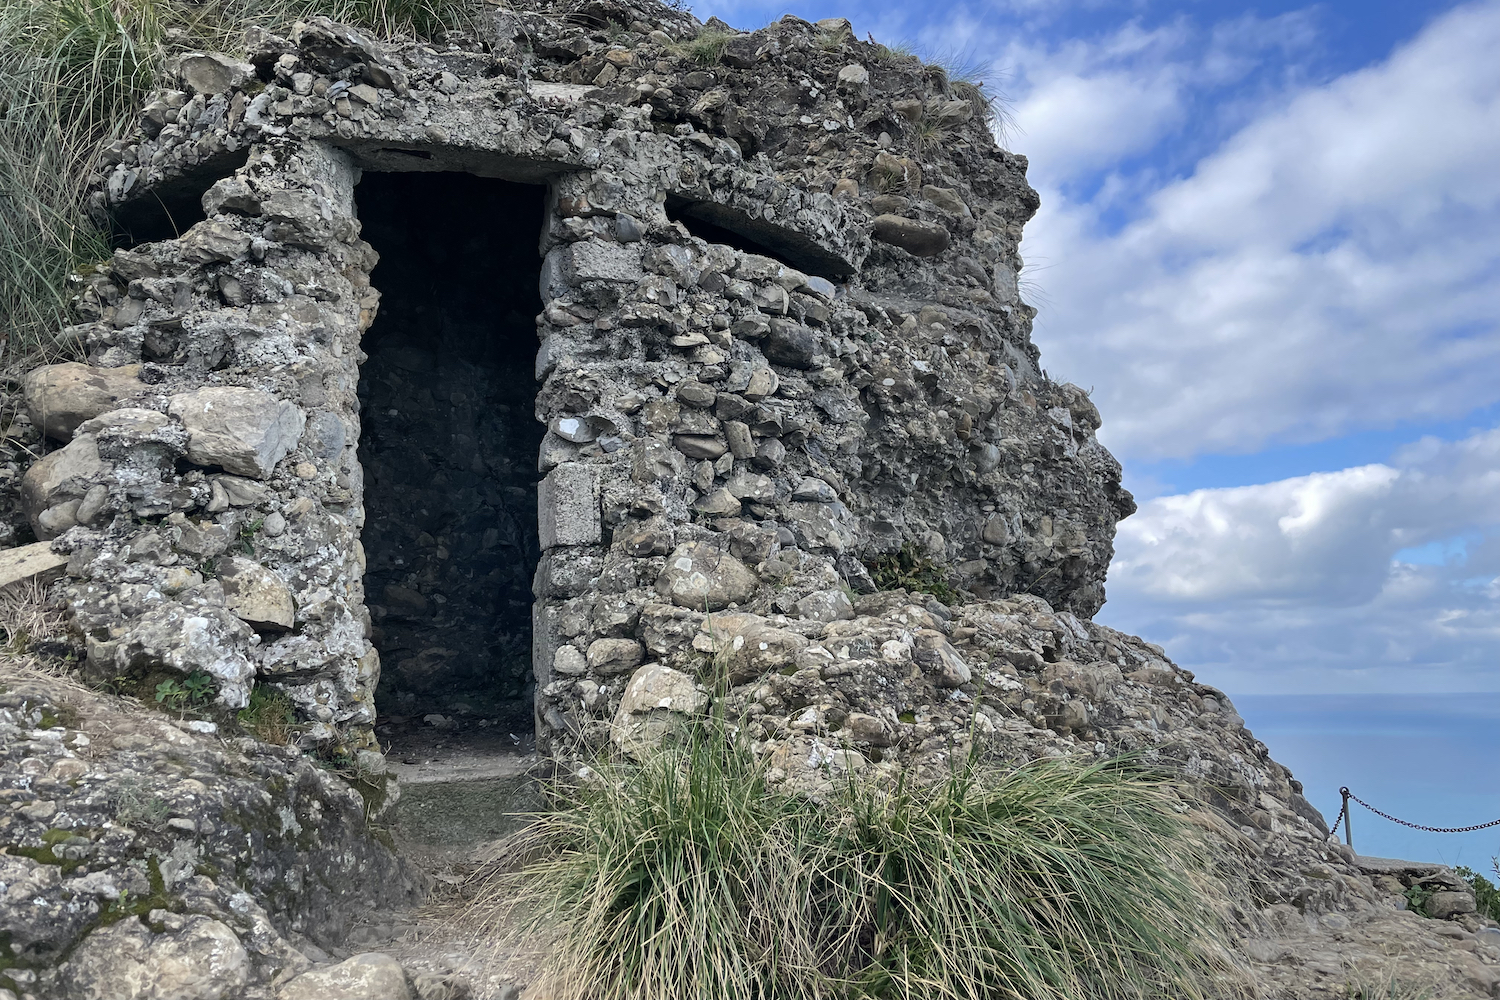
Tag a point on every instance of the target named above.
point(449, 443)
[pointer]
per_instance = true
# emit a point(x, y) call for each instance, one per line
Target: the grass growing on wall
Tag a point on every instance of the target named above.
point(73, 73)
point(688, 876)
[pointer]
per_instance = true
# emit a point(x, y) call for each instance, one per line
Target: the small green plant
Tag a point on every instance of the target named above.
point(1417, 897)
point(247, 534)
point(270, 717)
point(194, 690)
point(908, 569)
point(1486, 894)
point(930, 132)
point(690, 876)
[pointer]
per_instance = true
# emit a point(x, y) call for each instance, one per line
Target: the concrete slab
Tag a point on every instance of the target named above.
point(25, 562)
point(466, 800)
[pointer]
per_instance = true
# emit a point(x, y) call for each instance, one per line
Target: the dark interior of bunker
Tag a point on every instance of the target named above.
point(449, 443)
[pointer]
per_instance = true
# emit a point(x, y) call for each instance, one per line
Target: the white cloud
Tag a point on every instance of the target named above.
point(1330, 267)
point(1297, 584)
point(1085, 120)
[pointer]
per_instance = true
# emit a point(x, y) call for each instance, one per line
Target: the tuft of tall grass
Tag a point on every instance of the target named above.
point(964, 76)
point(690, 876)
point(706, 49)
point(70, 72)
point(73, 73)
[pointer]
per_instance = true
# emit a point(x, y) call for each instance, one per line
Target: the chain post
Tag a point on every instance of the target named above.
point(1348, 836)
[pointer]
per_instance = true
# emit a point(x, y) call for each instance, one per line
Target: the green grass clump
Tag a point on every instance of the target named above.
point(270, 717)
point(910, 570)
point(1387, 987)
point(136, 805)
point(73, 74)
point(689, 876)
point(706, 49)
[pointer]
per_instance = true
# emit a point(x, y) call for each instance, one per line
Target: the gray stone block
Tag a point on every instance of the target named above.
point(595, 260)
point(568, 506)
point(244, 431)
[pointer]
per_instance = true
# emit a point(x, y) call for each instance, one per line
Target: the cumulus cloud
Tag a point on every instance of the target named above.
point(1310, 583)
point(1328, 268)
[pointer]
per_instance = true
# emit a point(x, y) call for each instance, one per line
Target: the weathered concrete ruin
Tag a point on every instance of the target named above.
point(771, 279)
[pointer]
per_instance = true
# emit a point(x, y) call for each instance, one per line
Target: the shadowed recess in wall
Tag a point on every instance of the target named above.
point(172, 209)
point(449, 442)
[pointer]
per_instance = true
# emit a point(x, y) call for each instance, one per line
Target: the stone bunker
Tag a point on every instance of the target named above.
point(499, 394)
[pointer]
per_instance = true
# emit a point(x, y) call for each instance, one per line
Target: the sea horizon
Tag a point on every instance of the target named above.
point(1425, 758)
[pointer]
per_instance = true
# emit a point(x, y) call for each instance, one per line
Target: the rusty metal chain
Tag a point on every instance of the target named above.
point(1415, 826)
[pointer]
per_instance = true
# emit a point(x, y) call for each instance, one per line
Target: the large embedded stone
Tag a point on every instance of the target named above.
point(826, 606)
point(744, 647)
point(854, 77)
point(655, 702)
point(699, 445)
point(751, 486)
point(596, 260)
point(807, 765)
point(182, 640)
point(371, 976)
point(257, 596)
point(64, 477)
point(820, 525)
point(952, 112)
point(244, 431)
point(996, 530)
point(719, 503)
point(614, 656)
point(211, 73)
point(815, 490)
point(701, 576)
point(326, 436)
point(763, 383)
point(920, 239)
point(202, 959)
point(60, 397)
point(791, 344)
point(1447, 904)
point(935, 653)
point(946, 199)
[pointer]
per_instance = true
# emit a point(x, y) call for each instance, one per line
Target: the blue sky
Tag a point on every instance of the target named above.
point(1269, 244)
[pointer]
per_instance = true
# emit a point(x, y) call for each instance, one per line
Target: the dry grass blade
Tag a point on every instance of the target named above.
point(28, 620)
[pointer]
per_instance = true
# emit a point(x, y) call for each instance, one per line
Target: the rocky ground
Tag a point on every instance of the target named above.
point(130, 835)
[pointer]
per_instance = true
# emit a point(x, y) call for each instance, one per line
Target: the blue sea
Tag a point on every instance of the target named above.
point(1430, 759)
